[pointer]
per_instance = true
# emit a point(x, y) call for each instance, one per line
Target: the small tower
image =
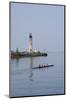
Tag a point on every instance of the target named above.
point(30, 42)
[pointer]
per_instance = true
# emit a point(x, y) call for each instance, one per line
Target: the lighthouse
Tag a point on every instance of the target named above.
point(30, 42)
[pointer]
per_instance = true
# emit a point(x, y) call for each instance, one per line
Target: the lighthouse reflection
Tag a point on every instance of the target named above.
point(30, 68)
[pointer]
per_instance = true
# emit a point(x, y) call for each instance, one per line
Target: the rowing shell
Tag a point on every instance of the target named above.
point(42, 66)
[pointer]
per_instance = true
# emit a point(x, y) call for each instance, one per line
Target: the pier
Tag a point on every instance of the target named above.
point(27, 54)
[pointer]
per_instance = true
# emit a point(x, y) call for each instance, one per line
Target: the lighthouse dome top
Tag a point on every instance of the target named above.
point(30, 35)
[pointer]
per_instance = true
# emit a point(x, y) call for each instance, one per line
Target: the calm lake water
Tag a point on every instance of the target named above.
point(25, 81)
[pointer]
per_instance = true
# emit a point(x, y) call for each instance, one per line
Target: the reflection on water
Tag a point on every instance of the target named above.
point(31, 65)
point(26, 81)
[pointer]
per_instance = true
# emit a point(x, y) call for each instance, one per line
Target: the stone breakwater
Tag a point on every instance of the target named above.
point(27, 54)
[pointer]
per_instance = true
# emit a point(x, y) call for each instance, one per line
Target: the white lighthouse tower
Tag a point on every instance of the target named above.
point(30, 42)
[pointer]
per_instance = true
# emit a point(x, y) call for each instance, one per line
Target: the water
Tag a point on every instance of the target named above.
point(25, 81)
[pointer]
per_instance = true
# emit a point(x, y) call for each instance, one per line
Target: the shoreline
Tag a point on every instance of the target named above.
point(27, 54)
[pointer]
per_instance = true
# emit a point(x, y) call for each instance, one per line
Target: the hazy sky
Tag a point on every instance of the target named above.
point(45, 22)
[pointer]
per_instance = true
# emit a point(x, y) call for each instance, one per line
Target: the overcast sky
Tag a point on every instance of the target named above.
point(45, 22)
